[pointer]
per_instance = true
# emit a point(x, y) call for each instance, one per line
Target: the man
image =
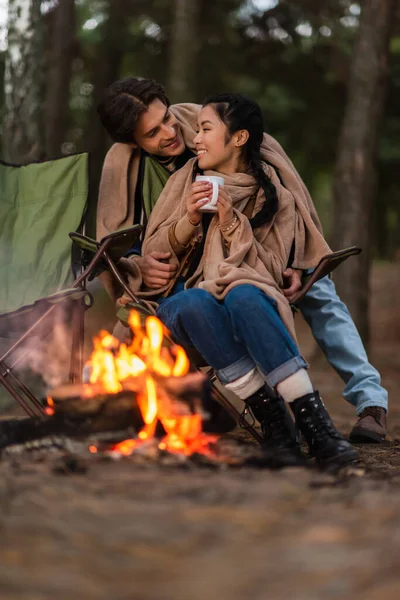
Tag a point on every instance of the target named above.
point(153, 140)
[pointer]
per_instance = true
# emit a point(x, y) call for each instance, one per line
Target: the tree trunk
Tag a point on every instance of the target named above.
point(106, 71)
point(23, 127)
point(182, 67)
point(355, 180)
point(62, 51)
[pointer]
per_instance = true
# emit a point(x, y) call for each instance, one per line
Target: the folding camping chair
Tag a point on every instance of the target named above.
point(91, 248)
point(40, 204)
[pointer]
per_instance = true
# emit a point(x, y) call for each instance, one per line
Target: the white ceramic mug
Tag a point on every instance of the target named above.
point(211, 206)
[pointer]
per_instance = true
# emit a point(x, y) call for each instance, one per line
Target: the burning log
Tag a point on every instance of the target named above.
point(77, 418)
point(145, 386)
point(182, 394)
point(83, 410)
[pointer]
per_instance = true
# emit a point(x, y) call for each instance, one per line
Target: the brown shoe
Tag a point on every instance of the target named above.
point(370, 427)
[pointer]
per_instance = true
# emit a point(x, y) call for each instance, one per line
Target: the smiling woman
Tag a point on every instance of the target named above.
point(215, 149)
point(227, 299)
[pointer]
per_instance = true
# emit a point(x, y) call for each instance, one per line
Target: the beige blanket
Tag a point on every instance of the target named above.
point(256, 257)
point(119, 179)
point(120, 171)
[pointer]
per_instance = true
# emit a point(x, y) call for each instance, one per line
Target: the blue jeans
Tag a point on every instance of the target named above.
point(336, 334)
point(234, 335)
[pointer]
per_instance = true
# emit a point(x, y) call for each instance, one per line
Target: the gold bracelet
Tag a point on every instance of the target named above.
point(230, 225)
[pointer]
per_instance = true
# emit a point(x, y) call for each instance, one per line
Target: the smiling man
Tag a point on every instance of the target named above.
point(153, 140)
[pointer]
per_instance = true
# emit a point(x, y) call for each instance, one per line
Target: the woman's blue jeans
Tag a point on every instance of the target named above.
point(234, 335)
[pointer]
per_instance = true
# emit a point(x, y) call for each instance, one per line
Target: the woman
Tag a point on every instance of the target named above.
point(227, 301)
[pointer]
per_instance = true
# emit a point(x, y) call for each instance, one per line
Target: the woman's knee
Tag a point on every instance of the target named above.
point(185, 304)
point(244, 299)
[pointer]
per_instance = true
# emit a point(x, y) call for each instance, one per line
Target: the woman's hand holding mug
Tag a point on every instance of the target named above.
point(198, 197)
point(208, 195)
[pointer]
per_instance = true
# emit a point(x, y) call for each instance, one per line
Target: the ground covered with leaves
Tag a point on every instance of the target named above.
point(120, 530)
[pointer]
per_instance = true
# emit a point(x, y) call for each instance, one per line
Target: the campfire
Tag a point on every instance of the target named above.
point(153, 375)
point(142, 400)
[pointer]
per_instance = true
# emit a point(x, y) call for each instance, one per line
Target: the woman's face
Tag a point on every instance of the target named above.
point(215, 148)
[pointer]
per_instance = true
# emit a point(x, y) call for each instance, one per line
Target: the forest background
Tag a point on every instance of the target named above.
point(325, 72)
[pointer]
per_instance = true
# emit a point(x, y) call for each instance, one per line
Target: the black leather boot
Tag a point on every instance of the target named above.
point(280, 440)
point(324, 441)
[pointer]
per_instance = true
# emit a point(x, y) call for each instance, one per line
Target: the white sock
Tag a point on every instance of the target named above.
point(296, 385)
point(248, 384)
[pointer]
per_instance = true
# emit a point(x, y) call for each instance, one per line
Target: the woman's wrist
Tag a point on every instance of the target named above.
point(227, 227)
point(228, 218)
point(185, 230)
point(194, 223)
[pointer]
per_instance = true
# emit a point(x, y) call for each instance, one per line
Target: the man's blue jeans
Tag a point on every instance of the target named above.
point(336, 333)
point(234, 335)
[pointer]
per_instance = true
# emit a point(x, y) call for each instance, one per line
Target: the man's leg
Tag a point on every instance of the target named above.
point(337, 335)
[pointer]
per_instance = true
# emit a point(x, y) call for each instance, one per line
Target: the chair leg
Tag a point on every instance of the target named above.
point(30, 410)
point(78, 338)
point(223, 400)
point(31, 397)
point(16, 388)
point(9, 371)
point(118, 277)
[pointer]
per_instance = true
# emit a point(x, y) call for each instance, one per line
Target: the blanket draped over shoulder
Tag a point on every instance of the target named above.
point(120, 175)
point(256, 257)
point(116, 206)
point(120, 172)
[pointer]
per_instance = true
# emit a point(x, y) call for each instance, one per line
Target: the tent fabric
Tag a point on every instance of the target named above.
point(40, 203)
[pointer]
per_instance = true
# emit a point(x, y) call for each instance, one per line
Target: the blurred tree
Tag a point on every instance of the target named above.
point(355, 181)
point(184, 44)
point(23, 132)
point(105, 68)
point(387, 205)
point(292, 56)
point(61, 52)
point(2, 107)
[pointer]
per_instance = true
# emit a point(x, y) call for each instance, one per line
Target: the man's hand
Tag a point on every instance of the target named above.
point(292, 282)
point(155, 271)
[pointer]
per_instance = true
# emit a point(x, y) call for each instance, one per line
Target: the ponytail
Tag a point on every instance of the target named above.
point(270, 205)
point(239, 112)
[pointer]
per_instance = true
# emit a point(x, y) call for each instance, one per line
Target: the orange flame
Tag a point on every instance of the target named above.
point(49, 409)
point(147, 360)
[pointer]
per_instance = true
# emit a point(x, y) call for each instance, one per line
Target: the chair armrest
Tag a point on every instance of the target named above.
point(326, 265)
point(134, 231)
point(84, 242)
point(121, 241)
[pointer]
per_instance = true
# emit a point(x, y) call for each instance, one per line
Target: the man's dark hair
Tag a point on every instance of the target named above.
point(124, 102)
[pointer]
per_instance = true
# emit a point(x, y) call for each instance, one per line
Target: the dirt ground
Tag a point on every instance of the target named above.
point(119, 531)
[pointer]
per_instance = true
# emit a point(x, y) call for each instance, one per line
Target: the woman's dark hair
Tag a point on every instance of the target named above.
point(124, 102)
point(239, 112)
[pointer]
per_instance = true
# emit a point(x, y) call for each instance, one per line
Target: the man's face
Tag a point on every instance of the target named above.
point(158, 132)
